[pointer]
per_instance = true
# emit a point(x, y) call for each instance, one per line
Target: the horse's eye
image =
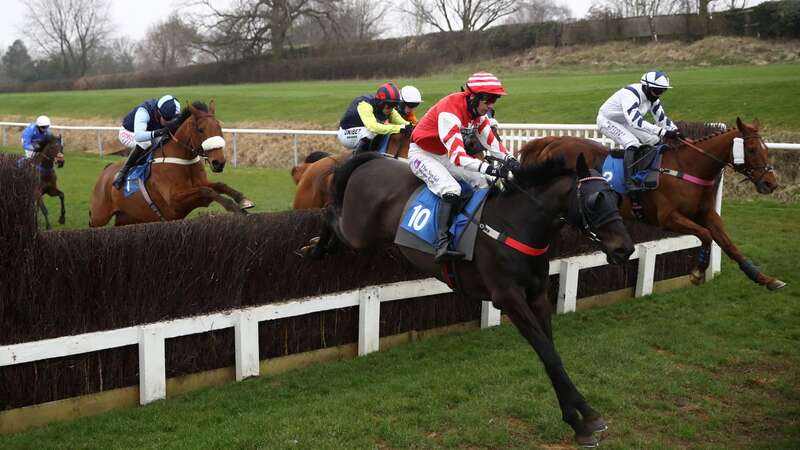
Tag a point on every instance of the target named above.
point(200, 130)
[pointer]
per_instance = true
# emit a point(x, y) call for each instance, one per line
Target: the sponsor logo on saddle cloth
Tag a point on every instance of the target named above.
point(614, 171)
point(418, 226)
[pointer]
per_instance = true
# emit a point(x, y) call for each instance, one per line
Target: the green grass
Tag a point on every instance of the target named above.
point(568, 95)
point(270, 189)
point(716, 366)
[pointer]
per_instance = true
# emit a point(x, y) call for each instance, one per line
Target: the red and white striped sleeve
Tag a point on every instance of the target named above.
point(450, 135)
point(488, 139)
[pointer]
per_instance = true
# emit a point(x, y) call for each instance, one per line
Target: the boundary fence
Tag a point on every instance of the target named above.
point(514, 134)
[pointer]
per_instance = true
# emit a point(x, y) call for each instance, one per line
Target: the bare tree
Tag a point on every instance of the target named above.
point(69, 30)
point(251, 27)
point(460, 15)
point(168, 44)
point(537, 11)
point(353, 20)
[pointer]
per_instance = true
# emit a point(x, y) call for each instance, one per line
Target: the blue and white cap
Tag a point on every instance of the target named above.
point(656, 79)
point(168, 107)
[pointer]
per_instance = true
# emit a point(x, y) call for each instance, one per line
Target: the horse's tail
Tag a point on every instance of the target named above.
point(343, 172)
point(316, 156)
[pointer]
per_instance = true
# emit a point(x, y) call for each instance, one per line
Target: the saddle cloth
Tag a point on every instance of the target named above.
point(418, 226)
point(139, 172)
point(648, 177)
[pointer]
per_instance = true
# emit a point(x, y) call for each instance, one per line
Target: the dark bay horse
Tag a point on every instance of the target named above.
point(677, 204)
point(178, 182)
point(50, 153)
point(313, 176)
point(370, 193)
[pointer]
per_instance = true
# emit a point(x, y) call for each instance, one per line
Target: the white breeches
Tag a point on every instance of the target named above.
point(126, 138)
point(440, 174)
point(351, 136)
point(623, 134)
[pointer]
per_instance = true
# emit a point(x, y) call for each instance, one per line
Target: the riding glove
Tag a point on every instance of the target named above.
point(500, 172)
point(512, 164)
point(407, 130)
point(159, 132)
point(673, 134)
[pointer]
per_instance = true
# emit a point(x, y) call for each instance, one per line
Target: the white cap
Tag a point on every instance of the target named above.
point(410, 94)
point(42, 121)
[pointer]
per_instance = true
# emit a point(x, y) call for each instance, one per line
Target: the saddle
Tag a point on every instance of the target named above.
point(417, 228)
point(641, 167)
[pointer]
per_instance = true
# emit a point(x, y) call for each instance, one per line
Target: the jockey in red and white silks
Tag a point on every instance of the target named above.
point(437, 155)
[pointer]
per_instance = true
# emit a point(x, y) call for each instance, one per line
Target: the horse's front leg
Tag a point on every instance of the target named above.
point(222, 188)
point(717, 229)
point(682, 224)
point(63, 217)
point(43, 208)
point(513, 302)
point(206, 193)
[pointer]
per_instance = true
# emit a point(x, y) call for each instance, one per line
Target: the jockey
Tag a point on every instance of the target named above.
point(140, 126)
point(621, 117)
point(437, 155)
point(33, 134)
point(367, 117)
point(410, 98)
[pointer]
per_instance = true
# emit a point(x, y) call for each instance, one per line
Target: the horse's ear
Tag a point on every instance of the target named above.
point(192, 109)
point(581, 167)
point(212, 107)
point(739, 124)
point(756, 124)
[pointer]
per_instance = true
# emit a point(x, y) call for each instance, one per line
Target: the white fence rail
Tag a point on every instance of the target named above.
point(150, 338)
point(514, 134)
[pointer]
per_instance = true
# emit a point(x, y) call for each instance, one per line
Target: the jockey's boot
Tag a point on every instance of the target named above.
point(631, 156)
point(443, 215)
point(364, 145)
point(133, 157)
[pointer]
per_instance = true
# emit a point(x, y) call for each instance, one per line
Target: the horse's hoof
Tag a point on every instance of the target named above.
point(246, 204)
point(314, 240)
point(596, 425)
point(587, 441)
point(305, 252)
point(775, 284)
point(696, 276)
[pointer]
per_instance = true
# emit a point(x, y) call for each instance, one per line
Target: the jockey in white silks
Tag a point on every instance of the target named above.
point(621, 117)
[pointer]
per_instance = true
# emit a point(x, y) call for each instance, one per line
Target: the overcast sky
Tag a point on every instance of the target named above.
point(133, 17)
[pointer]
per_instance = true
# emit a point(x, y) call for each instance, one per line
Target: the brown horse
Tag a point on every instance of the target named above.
point(178, 182)
point(313, 176)
point(510, 263)
point(677, 204)
point(50, 152)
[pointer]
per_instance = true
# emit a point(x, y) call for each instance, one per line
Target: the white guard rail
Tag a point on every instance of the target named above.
point(513, 134)
point(150, 338)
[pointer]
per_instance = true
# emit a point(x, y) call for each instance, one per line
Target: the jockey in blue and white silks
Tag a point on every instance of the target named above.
point(140, 126)
point(33, 134)
point(621, 117)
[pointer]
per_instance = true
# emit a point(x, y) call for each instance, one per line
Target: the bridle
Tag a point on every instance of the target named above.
point(745, 169)
point(194, 152)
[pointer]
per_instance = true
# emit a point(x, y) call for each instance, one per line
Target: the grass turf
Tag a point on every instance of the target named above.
point(566, 95)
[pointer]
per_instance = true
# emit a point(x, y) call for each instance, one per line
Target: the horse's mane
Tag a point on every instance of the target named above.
point(316, 156)
point(176, 123)
point(46, 140)
point(342, 173)
point(700, 131)
point(541, 173)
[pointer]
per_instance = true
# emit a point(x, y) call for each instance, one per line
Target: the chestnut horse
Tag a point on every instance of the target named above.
point(677, 204)
point(49, 152)
point(370, 194)
point(313, 176)
point(178, 182)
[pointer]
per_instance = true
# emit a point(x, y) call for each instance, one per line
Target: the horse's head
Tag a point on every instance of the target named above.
point(52, 149)
point(596, 213)
point(200, 133)
point(756, 158)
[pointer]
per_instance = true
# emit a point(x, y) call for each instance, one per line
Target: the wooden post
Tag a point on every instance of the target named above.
point(568, 286)
point(246, 337)
point(369, 314)
point(152, 364)
point(490, 316)
point(647, 269)
point(715, 258)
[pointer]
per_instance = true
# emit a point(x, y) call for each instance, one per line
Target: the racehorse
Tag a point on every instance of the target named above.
point(50, 151)
point(178, 182)
point(313, 176)
point(510, 261)
point(684, 205)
